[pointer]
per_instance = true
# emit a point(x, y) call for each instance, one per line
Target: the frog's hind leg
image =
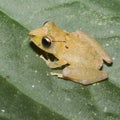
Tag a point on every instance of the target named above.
point(84, 75)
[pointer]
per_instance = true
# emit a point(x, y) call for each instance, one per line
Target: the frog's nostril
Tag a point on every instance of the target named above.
point(31, 34)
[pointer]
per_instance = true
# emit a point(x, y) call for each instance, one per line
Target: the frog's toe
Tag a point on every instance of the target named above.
point(57, 74)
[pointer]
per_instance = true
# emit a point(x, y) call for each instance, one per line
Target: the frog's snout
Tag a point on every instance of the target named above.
point(31, 34)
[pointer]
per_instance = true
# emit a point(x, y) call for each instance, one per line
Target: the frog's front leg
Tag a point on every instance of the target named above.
point(84, 75)
point(54, 64)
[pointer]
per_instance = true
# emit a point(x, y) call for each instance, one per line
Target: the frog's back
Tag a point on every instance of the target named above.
point(80, 53)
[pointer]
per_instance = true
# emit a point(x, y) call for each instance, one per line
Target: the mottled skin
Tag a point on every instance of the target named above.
point(83, 53)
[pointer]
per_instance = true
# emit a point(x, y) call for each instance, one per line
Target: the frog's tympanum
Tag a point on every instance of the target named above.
point(81, 55)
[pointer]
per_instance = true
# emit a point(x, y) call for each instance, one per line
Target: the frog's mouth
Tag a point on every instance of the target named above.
point(33, 38)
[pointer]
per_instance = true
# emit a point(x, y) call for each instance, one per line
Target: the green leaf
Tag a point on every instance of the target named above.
point(15, 105)
point(27, 91)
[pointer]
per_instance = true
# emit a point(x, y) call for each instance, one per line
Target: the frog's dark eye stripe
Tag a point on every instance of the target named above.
point(46, 42)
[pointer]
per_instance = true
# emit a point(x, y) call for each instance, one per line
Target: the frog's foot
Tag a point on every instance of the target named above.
point(48, 62)
point(57, 74)
point(84, 75)
point(43, 58)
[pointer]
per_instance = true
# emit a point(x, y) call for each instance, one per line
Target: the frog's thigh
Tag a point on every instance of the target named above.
point(84, 75)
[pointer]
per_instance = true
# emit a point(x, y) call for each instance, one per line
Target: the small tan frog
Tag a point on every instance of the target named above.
point(82, 55)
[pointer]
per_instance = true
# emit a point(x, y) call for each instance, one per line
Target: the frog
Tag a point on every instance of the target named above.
point(81, 55)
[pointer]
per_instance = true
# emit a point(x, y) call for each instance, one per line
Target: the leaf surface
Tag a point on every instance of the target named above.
point(27, 91)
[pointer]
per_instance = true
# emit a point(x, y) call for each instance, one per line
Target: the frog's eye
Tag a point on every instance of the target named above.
point(46, 42)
